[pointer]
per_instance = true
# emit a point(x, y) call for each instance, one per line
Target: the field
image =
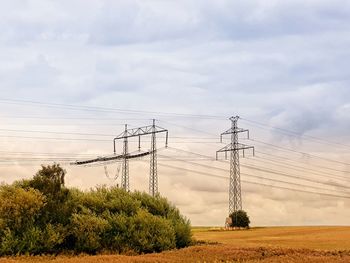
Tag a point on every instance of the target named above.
point(320, 238)
point(273, 244)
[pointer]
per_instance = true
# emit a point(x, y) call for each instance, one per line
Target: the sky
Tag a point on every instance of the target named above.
point(191, 65)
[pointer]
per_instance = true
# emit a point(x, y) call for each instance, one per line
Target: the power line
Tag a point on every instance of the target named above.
point(303, 153)
point(268, 170)
point(59, 133)
point(271, 171)
point(55, 138)
point(104, 109)
point(188, 128)
point(46, 153)
point(260, 177)
point(296, 134)
point(256, 183)
point(299, 152)
point(295, 161)
point(73, 118)
point(90, 139)
point(103, 134)
point(296, 168)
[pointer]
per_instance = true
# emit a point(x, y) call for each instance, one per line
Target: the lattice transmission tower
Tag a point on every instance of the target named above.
point(125, 164)
point(138, 132)
point(234, 147)
point(125, 156)
point(153, 173)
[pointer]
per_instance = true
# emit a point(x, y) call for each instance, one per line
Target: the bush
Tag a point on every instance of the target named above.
point(101, 199)
point(151, 233)
point(88, 230)
point(42, 216)
point(160, 206)
point(240, 219)
point(53, 236)
point(8, 242)
point(20, 208)
point(183, 233)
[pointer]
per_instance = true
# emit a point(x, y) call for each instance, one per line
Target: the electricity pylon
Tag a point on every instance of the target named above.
point(235, 195)
point(138, 132)
point(125, 164)
point(153, 173)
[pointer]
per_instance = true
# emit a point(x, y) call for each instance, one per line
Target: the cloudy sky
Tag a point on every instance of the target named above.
point(278, 64)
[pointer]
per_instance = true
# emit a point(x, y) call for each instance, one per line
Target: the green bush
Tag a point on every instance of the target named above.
point(20, 208)
point(117, 237)
point(114, 200)
point(31, 241)
point(53, 237)
point(88, 230)
point(240, 219)
point(42, 216)
point(160, 206)
point(8, 242)
point(151, 233)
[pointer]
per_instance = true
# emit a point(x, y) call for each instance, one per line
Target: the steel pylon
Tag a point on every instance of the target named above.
point(235, 192)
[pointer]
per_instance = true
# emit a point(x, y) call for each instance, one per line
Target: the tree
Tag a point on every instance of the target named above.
point(240, 219)
point(49, 180)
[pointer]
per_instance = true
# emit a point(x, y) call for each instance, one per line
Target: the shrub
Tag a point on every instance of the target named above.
point(240, 219)
point(8, 242)
point(88, 230)
point(42, 216)
point(53, 236)
point(151, 233)
point(20, 208)
point(160, 206)
point(114, 200)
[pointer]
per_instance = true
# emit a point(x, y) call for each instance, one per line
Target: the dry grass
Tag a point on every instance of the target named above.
point(324, 238)
point(280, 244)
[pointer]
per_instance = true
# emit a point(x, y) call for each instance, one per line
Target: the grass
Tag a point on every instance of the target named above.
point(271, 244)
point(322, 238)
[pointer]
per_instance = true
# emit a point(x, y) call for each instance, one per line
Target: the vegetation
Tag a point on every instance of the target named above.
point(41, 215)
point(240, 219)
point(270, 244)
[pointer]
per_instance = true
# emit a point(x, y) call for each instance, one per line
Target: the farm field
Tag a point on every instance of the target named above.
point(310, 237)
point(272, 244)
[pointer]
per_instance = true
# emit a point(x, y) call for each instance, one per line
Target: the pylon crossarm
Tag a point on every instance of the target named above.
point(231, 147)
point(146, 130)
point(236, 130)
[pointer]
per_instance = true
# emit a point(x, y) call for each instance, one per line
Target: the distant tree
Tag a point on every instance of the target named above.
point(49, 180)
point(240, 219)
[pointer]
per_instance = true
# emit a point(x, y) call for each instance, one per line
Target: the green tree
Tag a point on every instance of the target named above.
point(240, 219)
point(49, 180)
